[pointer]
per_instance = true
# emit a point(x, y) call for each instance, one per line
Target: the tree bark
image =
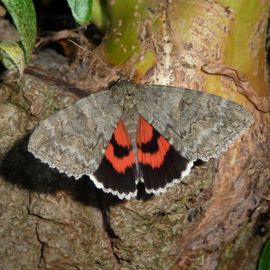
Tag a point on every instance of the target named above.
point(217, 219)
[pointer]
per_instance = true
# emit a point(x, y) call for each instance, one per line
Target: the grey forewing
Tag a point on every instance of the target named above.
point(73, 140)
point(198, 125)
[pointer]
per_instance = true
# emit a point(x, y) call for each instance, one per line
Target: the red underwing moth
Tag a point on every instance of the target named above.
point(138, 133)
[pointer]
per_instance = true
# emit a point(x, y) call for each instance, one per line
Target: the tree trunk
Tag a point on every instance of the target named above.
point(217, 219)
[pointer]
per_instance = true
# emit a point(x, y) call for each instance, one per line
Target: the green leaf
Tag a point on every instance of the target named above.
point(24, 17)
point(264, 261)
point(12, 56)
point(99, 16)
point(81, 10)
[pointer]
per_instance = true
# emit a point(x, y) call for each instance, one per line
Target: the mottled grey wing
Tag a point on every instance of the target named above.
point(73, 140)
point(198, 125)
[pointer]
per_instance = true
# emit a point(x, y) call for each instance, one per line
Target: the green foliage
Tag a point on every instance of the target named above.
point(85, 11)
point(24, 17)
point(17, 54)
point(81, 10)
point(264, 261)
point(12, 56)
point(99, 15)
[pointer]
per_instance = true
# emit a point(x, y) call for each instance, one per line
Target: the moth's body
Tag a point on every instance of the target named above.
point(130, 113)
point(121, 135)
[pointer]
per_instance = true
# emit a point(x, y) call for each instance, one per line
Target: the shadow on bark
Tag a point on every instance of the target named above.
point(21, 168)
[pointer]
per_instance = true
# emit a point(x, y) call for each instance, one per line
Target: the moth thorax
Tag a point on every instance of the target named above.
point(129, 104)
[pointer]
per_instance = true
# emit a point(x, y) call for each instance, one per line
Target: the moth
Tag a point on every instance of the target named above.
point(138, 133)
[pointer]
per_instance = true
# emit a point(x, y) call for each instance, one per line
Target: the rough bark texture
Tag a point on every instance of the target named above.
point(217, 219)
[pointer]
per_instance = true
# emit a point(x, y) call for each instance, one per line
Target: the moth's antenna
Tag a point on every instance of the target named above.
point(88, 51)
point(78, 45)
